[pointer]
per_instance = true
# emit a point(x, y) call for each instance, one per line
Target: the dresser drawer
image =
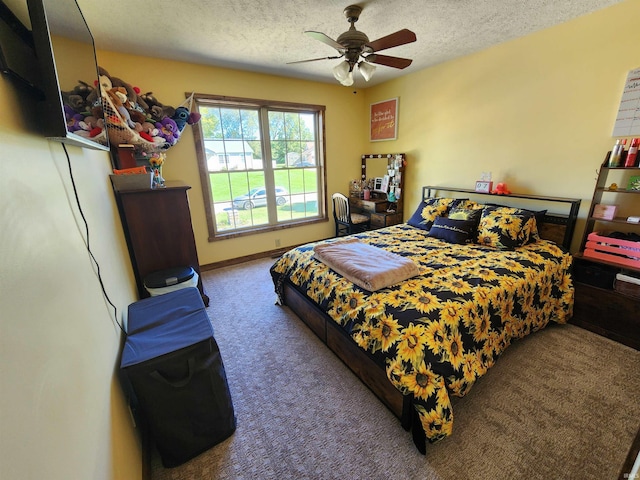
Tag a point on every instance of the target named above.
point(369, 205)
point(607, 313)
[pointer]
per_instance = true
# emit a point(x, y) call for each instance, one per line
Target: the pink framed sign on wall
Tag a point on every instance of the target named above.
point(384, 120)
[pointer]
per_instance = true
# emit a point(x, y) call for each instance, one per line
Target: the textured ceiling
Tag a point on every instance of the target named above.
point(263, 35)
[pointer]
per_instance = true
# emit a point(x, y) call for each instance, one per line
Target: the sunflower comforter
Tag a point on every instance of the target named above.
point(437, 333)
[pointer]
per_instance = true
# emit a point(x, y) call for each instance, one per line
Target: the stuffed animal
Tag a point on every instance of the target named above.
point(168, 129)
point(77, 98)
point(73, 119)
point(501, 189)
point(157, 110)
point(118, 96)
point(91, 126)
point(77, 102)
point(183, 117)
point(116, 82)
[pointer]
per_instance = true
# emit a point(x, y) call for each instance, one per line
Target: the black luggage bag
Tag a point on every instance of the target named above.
point(173, 365)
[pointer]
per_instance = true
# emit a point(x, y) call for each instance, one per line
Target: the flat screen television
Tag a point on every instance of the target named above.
point(17, 52)
point(66, 58)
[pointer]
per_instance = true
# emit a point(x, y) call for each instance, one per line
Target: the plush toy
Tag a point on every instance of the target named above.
point(168, 129)
point(77, 102)
point(137, 116)
point(118, 96)
point(73, 118)
point(97, 129)
point(116, 82)
point(183, 117)
point(142, 105)
point(501, 189)
point(77, 98)
point(157, 110)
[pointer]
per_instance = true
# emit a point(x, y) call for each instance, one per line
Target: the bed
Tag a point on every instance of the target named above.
point(488, 272)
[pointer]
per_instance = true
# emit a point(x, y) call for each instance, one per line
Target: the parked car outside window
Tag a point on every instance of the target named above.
point(257, 197)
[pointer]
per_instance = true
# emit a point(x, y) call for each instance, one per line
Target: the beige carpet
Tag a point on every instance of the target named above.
point(560, 404)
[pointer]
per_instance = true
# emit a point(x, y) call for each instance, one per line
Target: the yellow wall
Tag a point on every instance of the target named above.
point(537, 112)
point(62, 413)
point(169, 81)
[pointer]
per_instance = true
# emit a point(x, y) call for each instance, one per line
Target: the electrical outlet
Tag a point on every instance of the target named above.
point(277, 242)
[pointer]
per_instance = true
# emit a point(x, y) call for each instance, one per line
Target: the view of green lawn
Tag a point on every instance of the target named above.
point(227, 185)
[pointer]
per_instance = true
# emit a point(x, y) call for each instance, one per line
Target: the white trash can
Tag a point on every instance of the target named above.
point(170, 280)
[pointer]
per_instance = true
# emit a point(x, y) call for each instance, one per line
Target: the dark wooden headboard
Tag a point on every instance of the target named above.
point(557, 227)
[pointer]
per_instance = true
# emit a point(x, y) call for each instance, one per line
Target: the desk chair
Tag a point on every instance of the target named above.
point(346, 221)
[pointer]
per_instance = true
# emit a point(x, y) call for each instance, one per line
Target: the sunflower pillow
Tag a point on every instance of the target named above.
point(506, 228)
point(429, 209)
point(466, 210)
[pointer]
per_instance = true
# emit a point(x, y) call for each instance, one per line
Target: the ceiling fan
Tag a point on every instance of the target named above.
point(359, 52)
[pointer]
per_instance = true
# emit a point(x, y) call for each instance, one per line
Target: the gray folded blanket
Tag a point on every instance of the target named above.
point(369, 267)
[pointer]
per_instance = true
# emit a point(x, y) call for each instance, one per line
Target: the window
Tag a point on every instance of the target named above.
point(261, 164)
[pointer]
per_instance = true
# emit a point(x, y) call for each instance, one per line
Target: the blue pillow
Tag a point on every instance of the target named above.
point(453, 231)
point(429, 209)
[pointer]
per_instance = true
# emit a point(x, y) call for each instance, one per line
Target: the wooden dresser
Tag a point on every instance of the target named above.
point(157, 227)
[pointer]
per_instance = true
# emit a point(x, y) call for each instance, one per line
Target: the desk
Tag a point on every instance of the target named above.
point(376, 208)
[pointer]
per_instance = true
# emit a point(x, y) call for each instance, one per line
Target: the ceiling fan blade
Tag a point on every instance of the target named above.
point(315, 59)
point(393, 40)
point(395, 62)
point(324, 39)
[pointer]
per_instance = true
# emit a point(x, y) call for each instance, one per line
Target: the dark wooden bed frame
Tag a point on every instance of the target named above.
point(557, 228)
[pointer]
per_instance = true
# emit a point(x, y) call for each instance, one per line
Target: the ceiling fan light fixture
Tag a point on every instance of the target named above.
point(342, 72)
point(367, 70)
point(347, 82)
point(358, 51)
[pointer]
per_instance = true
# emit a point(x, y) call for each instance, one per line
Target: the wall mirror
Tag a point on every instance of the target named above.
point(384, 172)
point(374, 167)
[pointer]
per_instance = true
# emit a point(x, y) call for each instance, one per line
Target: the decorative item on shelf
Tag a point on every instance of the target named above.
point(483, 186)
point(616, 154)
point(604, 212)
point(632, 155)
point(378, 183)
point(634, 182)
point(501, 189)
point(355, 188)
point(156, 160)
point(391, 198)
point(613, 186)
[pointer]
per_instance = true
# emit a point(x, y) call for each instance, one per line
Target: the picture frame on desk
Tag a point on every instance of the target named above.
point(483, 186)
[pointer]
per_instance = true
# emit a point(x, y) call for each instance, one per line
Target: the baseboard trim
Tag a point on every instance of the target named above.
point(247, 258)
